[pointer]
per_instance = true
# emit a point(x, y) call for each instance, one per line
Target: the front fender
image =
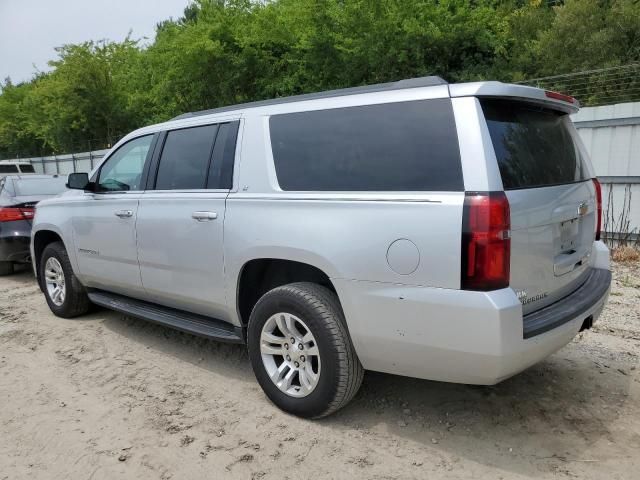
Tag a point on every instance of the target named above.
point(64, 234)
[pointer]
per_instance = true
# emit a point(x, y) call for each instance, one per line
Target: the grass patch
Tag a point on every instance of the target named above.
point(626, 254)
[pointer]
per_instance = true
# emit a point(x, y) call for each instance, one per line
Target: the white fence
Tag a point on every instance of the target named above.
point(69, 163)
point(611, 135)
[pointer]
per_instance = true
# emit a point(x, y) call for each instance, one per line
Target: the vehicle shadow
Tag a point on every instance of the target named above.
point(227, 359)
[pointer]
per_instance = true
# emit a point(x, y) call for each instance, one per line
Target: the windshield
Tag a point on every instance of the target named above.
point(39, 186)
point(533, 145)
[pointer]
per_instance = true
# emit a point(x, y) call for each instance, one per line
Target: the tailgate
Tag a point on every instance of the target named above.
point(547, 180)
point(552, 233)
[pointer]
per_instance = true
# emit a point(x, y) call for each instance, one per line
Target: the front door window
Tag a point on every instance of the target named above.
point(123, 170)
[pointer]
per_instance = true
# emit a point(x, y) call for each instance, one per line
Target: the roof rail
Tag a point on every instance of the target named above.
point(379, 87)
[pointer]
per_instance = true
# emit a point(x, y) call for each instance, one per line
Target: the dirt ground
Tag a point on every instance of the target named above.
point(104, 396)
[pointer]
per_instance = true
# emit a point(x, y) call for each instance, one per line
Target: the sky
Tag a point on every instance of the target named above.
point(31, 29)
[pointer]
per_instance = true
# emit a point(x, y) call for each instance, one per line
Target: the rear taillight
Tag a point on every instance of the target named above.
point(12, 214)
point(28, 213)
point(598, 188)
point(486, 241)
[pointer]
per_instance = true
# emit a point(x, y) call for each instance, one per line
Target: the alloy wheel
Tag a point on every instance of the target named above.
point(54, 280)
point(290, 354)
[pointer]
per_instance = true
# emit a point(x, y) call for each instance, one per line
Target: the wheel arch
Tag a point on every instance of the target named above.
point(259, 275)
point(41, 238)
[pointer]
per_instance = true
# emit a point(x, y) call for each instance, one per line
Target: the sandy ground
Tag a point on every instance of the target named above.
point(104, 397)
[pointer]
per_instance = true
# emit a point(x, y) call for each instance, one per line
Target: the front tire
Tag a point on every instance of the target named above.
point(65, 295)
point(319, 372)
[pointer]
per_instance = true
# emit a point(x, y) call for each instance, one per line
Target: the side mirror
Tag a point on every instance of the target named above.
point(78, 181)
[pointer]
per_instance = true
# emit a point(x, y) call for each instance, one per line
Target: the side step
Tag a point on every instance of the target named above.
point(170, 317)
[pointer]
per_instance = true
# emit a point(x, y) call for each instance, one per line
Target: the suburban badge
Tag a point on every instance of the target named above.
point(525, 299)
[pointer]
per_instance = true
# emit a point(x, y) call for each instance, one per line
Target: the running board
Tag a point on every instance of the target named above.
point(170, 317)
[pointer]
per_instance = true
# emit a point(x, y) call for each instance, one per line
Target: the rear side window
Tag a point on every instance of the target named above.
point(26, 168)
point(534, 146)
point(198, 157)
point(10, 168)
point(408, 146)
point(185, 158)
point(221, 170)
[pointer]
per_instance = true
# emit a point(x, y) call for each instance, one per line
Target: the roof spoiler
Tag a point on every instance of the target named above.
point(554, 100)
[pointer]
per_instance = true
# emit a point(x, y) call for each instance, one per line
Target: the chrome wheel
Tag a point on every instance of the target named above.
point(54, 280)
point(290, 354)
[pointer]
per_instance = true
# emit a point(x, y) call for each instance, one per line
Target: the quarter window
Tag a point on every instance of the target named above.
point(408, 146)
point(123, 170)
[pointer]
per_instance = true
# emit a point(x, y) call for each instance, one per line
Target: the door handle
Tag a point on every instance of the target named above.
point(124, 213)
point(204, 216)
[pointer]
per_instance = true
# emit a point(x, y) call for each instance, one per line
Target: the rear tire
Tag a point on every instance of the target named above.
point(6, 268)
point(313, 313)
point(65, 295)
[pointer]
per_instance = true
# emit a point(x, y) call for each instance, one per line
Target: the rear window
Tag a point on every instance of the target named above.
point(10, 168)
point(409, 146)
point(26, 168)
point(534, 146)
point(39, 186)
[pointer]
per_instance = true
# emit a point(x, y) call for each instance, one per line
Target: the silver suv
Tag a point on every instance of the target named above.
point(446, 232)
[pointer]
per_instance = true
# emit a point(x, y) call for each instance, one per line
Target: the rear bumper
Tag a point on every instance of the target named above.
point(15, 249)
point(575, 305)
point(452, 335)
point(14, 241)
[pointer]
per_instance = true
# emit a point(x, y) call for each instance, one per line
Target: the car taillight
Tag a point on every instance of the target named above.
point(11, 214)
point(486, 241)
point(598, 188)
point(28, 213)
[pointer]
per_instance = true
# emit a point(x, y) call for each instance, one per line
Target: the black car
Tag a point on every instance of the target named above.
point(19, 195)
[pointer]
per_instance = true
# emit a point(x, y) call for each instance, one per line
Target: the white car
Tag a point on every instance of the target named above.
point(446, 232)
point(15, 167)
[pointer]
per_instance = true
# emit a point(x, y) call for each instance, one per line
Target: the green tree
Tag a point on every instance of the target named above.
point(223, 52)
point(15, 136)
